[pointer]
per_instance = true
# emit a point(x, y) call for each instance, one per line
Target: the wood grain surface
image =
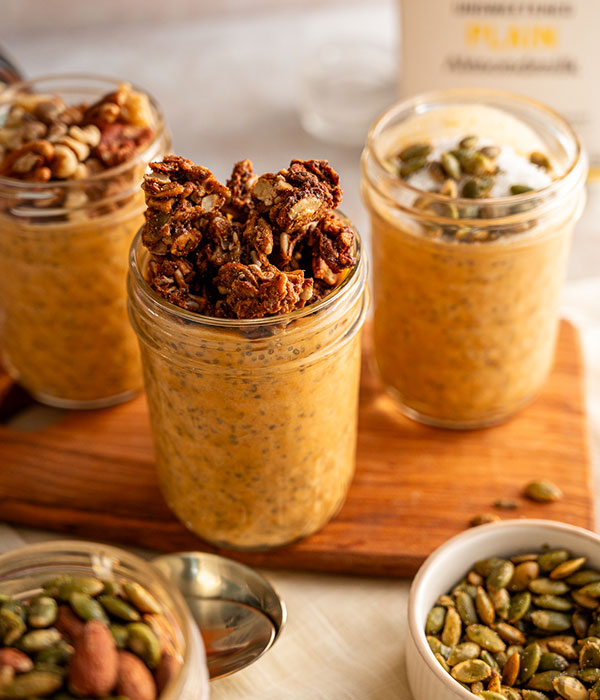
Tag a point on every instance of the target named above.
point(91, 474)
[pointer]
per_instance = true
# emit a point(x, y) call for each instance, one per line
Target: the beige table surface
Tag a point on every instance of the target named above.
point(229, 84)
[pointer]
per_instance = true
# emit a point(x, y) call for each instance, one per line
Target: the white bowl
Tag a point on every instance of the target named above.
point(451, 562)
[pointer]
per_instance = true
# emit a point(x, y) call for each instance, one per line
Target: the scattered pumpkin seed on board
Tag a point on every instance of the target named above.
point(525, 627)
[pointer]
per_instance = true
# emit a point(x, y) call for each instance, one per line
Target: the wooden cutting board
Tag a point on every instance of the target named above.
point(91, 474)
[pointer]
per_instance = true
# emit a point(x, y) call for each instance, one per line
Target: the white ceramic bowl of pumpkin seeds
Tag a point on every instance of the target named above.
point(540, 613)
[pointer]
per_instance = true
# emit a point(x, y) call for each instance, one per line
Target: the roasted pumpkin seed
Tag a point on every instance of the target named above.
point(471, 671)
point(415, 150)
point(485, 637)
point(542, 490)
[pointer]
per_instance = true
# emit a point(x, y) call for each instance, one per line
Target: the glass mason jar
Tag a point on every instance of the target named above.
point(254, 421)
point(64, 244)
point(22, 571)
point(465, 331)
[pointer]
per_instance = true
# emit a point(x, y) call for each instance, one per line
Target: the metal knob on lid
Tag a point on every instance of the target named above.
point(239, 613)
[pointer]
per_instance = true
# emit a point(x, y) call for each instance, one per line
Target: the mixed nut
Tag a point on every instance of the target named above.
point(81, 637)
point(469, 171)
point(522, 628)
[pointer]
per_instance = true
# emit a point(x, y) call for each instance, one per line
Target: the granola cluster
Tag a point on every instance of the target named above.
point(260, 246)
point(44, 139)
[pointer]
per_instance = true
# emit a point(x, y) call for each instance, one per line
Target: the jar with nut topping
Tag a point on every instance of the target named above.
point(473, 197)
point(31, 572)
point(73, 150)
point(254, 420)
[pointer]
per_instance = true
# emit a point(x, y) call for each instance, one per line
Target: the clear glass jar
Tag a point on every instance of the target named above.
point(64, 247)
point(22, 571)
point(254, 421)
point(465, 331)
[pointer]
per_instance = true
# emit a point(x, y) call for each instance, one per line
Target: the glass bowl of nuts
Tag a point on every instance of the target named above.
point(508, 611)
point(85, 619)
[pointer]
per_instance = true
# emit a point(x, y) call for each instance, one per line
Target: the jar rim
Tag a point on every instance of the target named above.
point(83, 81)
point(573, 174)
point(356, 277)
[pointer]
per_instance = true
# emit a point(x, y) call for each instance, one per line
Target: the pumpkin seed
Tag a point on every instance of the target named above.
point(553, 602)
point(121, 609)
point(450, 189)
point(477, 187)
point(446, 601)
point(550, 620)
point(540, 159)
point(58, 654)
point(87, 608)
point(479, 164)
point(519, 606)
point(588, 675)
point(484, 566)
point(52, 586)
point(501, 575)
point(543, 680)
point(510, 672)
point(501, 602)
point(530, 660)
point(120, 635)
point(33, 683)
point(484, 606)
point(143, 600)
point(550, 661)
point(409, 167)
point(527, 694)
point(469, 141)
point(83, 584)
point(42, 611)
point(589, 656)
point(542, 490)
point(521, 189)
point(436, 171)
point(466, 608)
point(37, 640)
point(485, 637)
point(442, 662)
point(12, 626)
point(491, 695)
point(568, 567)
point(142, 641)
point(583, 577)
point(580, 622)
point(570, 688)
point(435, 619)
point(524, 574)
point(591, 589)
point(490, 151)
point(474, 578)
point(489, 659)
point(510, 634)
point(546, 586)
point(415, 150)
point(471, 671)
point(435, 644)
point(451, 165)
point(463, 652)
point(585, 601)
point(452, 628)
point(510, 693)
point(562, 648)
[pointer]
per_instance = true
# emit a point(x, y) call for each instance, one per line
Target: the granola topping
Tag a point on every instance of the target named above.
point(259, 246)
point(43, 139)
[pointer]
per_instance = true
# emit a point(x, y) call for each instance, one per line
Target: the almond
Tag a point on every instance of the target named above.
point(134, 679)
point(68, 623)
point(16, 659)
point(94, 666)
point(167, 668)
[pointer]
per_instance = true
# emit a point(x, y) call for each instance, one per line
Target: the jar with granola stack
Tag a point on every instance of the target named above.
point(248, 301)
point(73, 151)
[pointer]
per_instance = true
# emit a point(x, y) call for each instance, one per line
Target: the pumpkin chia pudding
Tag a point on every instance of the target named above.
point(248, 301)
point(72, 155)
point(473, 196)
